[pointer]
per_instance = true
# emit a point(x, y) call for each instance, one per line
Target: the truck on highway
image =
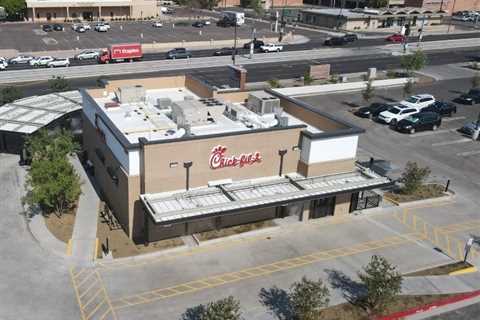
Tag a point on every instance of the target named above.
point(121, 52)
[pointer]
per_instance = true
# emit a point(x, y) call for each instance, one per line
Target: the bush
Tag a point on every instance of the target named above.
point(307, 79)
point(308, 298)
point(58, 84)
point(413, 177)
point(274, 83)
point(10, 94)
point(408, 88)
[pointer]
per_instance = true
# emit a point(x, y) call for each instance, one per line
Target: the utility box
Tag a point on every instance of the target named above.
point(372, 73)
point(131, 94)
point(262, 103)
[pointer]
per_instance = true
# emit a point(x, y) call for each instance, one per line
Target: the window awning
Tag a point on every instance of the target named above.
point(169, 207)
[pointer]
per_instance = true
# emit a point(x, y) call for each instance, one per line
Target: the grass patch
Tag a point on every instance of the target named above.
point(61, 227)
point(225, 232)
point(440, 270)
point(347, 311)
point(427, 191)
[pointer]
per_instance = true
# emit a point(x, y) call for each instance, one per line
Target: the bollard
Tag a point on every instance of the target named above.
point(121, 28)
point(200, 32)
point(173, 25)
point(78, 38)
point(448, 185)
point(141, 35)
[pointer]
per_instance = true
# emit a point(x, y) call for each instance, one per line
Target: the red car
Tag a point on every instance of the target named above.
point(396, 38)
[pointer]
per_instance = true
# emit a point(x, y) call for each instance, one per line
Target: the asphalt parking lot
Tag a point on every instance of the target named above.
point(447, 152)
point(34, 39)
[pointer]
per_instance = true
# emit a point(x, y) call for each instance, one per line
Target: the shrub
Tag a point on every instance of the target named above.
point(413, 177)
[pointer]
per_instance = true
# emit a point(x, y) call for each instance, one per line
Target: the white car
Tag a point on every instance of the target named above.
point(20, 59)
point(271, 47)
point(3, 64)
point(41, 61)
point(398, 112)
point(59, 62)
point(86, 55)
point(157, 24)
point(102, 27)
point(418, 101)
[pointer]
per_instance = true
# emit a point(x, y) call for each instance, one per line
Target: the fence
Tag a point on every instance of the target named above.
point(440, 236)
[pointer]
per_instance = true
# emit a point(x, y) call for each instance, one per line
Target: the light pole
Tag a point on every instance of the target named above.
point(187, 166)
point(234, 52)
point(281, 153)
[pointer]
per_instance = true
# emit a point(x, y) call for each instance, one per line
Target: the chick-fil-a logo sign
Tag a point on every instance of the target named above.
point(219, 160)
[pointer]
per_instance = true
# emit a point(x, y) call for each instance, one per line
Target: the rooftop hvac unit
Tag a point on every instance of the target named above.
point(164, 103)
point(262, 103)
point(282, 121)
point(131, 94)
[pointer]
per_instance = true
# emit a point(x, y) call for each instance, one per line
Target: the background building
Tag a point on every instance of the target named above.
point(173, 156)
point(60, 10)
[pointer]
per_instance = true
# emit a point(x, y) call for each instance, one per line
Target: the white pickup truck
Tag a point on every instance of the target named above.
point(271, 47)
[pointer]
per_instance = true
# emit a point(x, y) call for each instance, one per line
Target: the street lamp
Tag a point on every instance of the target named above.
point(281, 153)
point(187, 166)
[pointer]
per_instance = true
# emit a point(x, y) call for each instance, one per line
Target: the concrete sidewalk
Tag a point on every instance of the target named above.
point(85, 229)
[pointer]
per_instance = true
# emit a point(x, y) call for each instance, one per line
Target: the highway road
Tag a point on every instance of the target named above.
point(264, 72)
point(313, 44)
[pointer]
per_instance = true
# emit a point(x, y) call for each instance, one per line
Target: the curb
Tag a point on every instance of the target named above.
point(445, 197)
point(463, 271)
point(431, 306)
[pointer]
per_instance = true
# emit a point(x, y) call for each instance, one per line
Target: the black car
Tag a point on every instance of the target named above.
point(350, 37)
point(335, 41)
point(469, 128)
point(420, 121)
point(472, 97)
point(47, 28)
point(372, 111)
point(224, 52)
point(179, 53)
point(442, 108)
point(198, 24)
point(225, 23)
point(57, 27)
point(256, 44)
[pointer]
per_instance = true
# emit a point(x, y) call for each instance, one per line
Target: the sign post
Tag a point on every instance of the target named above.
point(468, 246)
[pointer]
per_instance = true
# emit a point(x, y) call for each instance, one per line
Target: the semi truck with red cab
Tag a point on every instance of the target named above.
point(121, 52)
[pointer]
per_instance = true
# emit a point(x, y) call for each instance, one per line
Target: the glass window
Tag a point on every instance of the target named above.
point(411, 100)
point(395, 110)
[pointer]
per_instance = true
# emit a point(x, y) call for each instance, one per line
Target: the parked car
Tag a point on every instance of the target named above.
point(271, 47)
point(256, 44)
point(57, 27)
point(225, 23)
point(102, 27)
point(469, 128)
point(59, 62)
point(224, 52)
point(198, 24)
point(86, 55)
point(372, 111)
point(350, 37)
point(419, 122)
point(157, 24)
point(471, 97)
point(179, 53)
point(335, 41)
point(20, 59)
point(396, 38)
point(396, 113)
point(443, 108)
point(41, 61)
point(47, 28)
point(206, 22)
point(81, 29)
point(86, 26)
point(3, 64)
point(418, 101)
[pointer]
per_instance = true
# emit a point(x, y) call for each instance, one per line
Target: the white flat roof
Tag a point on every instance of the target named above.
point(147, 119)
point(30, 114)
point(170, 206)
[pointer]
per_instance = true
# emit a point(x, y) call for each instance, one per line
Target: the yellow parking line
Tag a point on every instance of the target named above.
point(95, 309)
point(75, 289)
point(91, 299)
point(255, 272)
point(88, 289)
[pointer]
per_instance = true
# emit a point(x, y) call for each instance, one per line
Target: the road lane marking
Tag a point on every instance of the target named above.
point(453, 119)
point(258, 271)
point(468, 153)
point(429, 133)
point(446, 143)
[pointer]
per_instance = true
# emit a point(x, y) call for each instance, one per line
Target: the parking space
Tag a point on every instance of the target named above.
point(34, 39)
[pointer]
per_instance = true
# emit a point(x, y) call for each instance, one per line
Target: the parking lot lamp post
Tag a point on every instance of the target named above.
point(234, 52)
point(187, 166)
point(281, 153)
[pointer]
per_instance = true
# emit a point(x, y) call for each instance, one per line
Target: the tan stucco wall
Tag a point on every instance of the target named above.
point(342, 204)
point(238, 96)
point(310, 117)
point(147, 83)
point(324, 168)
point(160, 177)
point(198, 87)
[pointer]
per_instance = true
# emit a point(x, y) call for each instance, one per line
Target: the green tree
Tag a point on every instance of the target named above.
point(224, 309)
point(256, 5)
point(53, 185)
point(51, 145)
point(382, 283)
point(307, 298)
point(15, 8)
point(408, 87)
point(274, 83)
point(10, 94)
point(413, 177)
point(413, 62)
point(377, 3)
point(476, 80)
point(369, 92)
point(58, 84)
point(307, 78)
point(206, 4)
